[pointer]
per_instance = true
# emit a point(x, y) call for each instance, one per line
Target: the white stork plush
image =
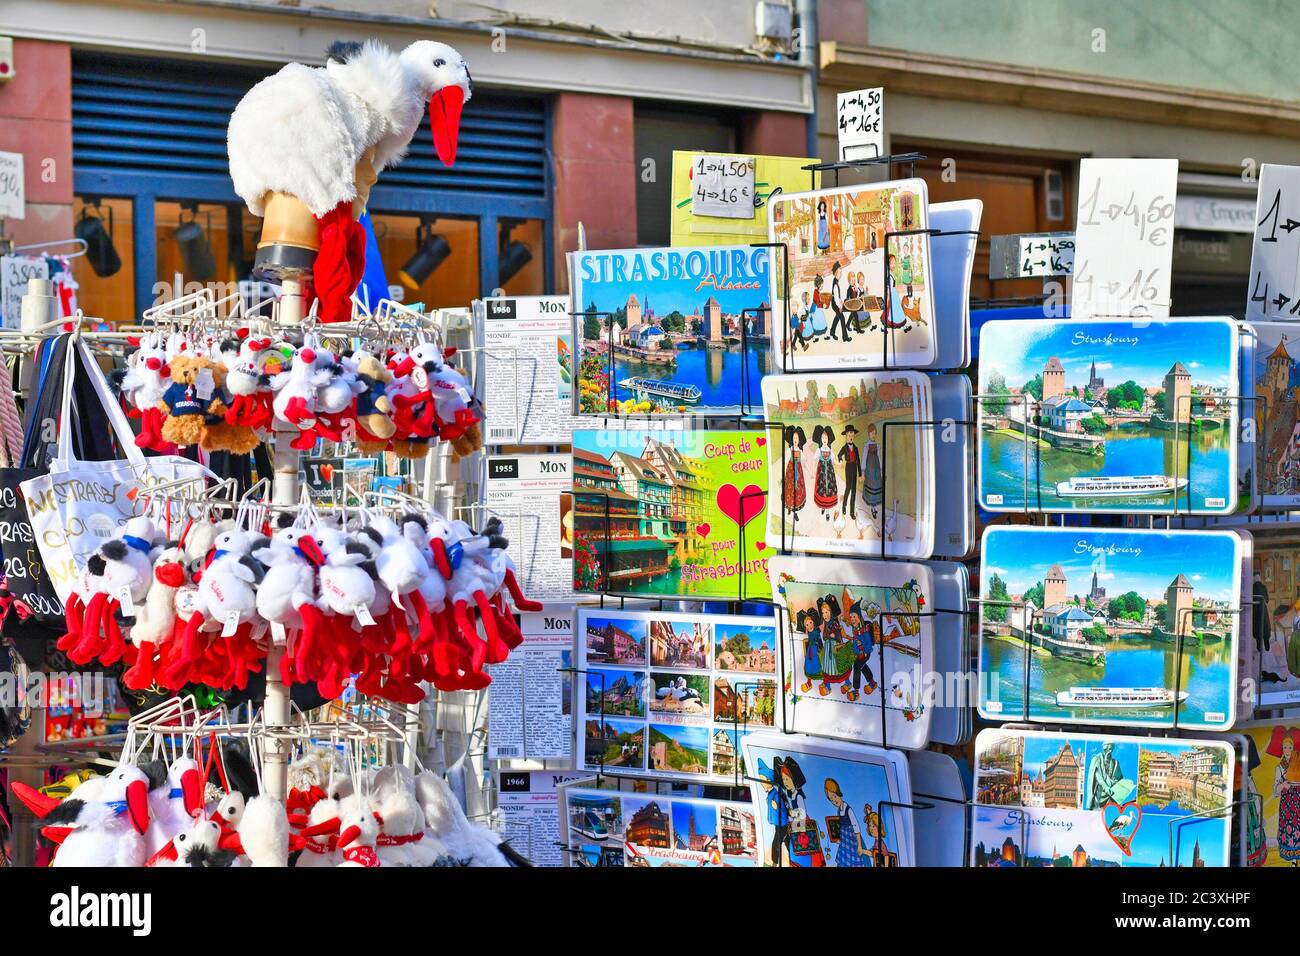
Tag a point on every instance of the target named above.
point(321, 135)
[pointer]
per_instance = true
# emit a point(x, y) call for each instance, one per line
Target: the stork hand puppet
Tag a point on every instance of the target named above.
point(307, 143)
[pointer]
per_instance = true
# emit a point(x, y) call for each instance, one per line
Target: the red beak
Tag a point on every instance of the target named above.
point(320, 829)
point(348, 835)
point(192, 791)
point(137, 805)
point(404, 367)
point(231, 841)
point(444, 117)
point(311, 550)
point(56, 834)
point(33, 799)
point(296, 842)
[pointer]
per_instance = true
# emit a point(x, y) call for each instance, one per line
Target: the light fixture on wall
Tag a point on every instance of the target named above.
point(512, 255)
point(100, 251)
point(192, 242)
point(431, 251)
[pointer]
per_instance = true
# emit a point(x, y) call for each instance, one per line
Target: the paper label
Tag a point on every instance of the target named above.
point(722, 186)
point(125, 603)
point(231, 625)
point(860, 123)
point(363, 615)
point(204, 384)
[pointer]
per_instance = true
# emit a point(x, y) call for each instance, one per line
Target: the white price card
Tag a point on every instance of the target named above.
point(13, 197)
point(1124, 238)
point(722, 186)
point(15, 272)
point(1274, 292)
point(860, 122)
point(1046, 255)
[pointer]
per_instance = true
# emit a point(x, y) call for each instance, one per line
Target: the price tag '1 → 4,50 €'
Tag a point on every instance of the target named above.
point(722, 186)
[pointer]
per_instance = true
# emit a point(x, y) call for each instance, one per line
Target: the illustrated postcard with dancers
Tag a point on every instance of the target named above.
point(858, 648)
point(861, 285)
point(855, 474)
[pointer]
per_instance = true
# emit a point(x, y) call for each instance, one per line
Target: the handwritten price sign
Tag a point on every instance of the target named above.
point(1124, 237)
point(15, 272)
point(722, 186)
point(1046, 255)
point(860, 121)
point(1275, 253)
point(13, 200)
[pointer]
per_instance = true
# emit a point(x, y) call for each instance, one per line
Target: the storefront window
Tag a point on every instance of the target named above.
point(202, 245)
point(106, 274)
point(431, 260)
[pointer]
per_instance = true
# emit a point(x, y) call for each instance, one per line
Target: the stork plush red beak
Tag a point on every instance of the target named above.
point(33, 799)
point(192, 791)
point(348, 835)
point(444, 117)
point(137, 804)
point(311, 550)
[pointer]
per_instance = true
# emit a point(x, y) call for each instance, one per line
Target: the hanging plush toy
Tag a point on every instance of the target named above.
point(373, 410)
point(249, 386)
point(155, 618)
point(143, 386)
point(295, 396)
point(307, 143)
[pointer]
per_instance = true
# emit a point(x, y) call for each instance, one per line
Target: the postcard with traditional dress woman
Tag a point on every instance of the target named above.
point(857, 645)
point(855, 470)
point(860, 254)
point(1275, 783)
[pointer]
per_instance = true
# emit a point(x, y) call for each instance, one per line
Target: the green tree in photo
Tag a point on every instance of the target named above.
point(996, 611)
point(1129, 606)
point(1035, 594)
point(1034, 387)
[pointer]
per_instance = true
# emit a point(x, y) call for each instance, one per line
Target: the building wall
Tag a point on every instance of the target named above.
point(36, 120)
point(1231, 46)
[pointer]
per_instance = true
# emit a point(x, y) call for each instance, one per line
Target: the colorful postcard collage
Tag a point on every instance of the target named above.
point(1277, 413)
point(1091, 800)
point(856, 473)
point(861, 291)
point(671, 331)
point(1099, 626)
point(671, 513)
point(666, 694)
point(624, 828)
point(1109, 416)
point(857, 643)
point(1272, 797)
point(821, 803)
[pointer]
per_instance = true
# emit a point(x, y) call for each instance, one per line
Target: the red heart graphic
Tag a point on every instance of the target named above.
point(761, 441)
point(1124, 838)
point(741, 507)
point(761, 545)
point(703, 529)
point(327, 472)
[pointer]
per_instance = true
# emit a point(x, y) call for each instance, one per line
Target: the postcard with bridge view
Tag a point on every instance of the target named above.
point(1109, 416)
point(1045, 798)
point(671, 332)
point(1135, 628)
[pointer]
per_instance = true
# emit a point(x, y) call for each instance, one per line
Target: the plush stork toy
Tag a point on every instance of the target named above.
point(306, 144)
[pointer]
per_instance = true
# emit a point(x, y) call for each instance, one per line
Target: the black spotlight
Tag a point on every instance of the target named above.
point(196, 251)
point(513, 257)
point(100, 252)
point(431, 250)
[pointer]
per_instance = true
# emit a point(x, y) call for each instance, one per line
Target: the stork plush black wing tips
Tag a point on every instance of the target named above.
point(342, 50)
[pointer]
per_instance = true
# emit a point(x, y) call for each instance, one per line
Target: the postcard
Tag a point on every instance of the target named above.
point(1277, 413)
point(1096, 800)
point(697, 683)
point(671, 331)
point(853, 468)
point(772, 176)
point(858, 642)
point(671, 513)
point(1109, 416)
point(824, 803)
point(1276, 597)
point(607, 827)
point(1272, 797)
point(1096, 626)
point(861, 290)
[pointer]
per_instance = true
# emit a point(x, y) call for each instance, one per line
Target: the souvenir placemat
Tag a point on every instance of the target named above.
point(1097, 626)
point(854, 468)
point(825, 803)
point(672, 694)
point(671, 513)
point(671, 331)
point(1272, 797)
point(849, 305)
point(627, 828)
point(858, 645)
point(1109, 416)
point(1095, 800)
